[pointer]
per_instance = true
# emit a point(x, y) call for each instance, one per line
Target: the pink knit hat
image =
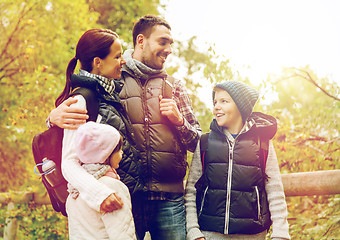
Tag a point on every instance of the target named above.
point(95, 142)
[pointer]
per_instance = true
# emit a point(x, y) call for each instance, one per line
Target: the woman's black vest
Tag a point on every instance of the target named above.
point(232, 187)
point(114, 114)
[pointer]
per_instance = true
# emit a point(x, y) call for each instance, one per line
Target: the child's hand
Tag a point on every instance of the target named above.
point(111, 203)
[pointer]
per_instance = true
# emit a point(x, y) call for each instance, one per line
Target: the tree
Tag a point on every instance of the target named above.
point(37, 42)
point(308, 139)
point(308, 120)
point(120, 16)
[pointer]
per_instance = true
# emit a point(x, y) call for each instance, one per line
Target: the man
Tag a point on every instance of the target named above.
point(164, 126)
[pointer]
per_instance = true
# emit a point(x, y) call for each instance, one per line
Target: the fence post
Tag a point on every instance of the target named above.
point(11, 227)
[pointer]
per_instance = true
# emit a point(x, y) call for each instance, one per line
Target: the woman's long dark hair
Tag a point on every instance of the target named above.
point(93, 43)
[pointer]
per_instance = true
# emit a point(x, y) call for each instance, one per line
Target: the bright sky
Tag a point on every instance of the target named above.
point(264, 35)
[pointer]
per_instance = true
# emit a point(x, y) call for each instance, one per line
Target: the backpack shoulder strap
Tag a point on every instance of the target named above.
point(171, 79)
point(92, 103)
point(167, 86)
point(203, 147)
point(264, 146)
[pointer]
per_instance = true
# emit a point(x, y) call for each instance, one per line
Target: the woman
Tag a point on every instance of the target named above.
point(99, 52)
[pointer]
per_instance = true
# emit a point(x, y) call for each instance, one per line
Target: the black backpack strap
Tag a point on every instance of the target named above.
point(92, 103)
point(203, 147)
point(201, 182)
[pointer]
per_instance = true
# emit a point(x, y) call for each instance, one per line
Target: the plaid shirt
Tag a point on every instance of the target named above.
point(191, 130)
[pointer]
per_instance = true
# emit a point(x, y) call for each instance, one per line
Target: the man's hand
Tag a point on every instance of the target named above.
point(111, 203)
point(68, 117)
point(168, 108)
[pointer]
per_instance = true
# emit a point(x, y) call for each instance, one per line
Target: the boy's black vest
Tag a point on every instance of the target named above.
point(232, 187)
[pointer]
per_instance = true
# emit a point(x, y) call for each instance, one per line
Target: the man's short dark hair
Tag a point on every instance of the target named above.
point(145, 24)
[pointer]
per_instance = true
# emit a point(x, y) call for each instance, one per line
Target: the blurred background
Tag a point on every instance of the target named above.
point(288, 50)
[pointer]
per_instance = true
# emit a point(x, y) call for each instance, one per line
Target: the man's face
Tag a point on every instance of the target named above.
point(157, 47)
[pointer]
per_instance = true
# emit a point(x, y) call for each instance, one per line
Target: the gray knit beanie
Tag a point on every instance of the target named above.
point(244, 96)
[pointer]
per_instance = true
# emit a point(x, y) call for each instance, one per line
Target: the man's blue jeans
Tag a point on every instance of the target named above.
point(164, 219)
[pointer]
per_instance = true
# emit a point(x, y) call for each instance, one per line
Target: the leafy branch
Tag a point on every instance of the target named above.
point(17, 28)
point(306, 75)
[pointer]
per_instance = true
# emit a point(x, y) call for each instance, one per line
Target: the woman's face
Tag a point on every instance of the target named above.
point(111, 65)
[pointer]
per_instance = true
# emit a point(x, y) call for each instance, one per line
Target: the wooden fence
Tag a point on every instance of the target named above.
point(295, 184)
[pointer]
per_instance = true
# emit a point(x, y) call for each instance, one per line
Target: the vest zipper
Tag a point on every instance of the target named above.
point(146, 128)
point(258, 202)
point(205, 192)
point(230, 170)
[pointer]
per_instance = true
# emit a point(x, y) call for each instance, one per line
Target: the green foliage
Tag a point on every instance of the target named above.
point(307, 110)
point(314, 217)
point(37, 42)
point(36, 222)
point(39, 38)
point(308, 131)
point(120, 16)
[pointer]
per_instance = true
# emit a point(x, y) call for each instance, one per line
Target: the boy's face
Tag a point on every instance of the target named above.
point(226, 112)
point(116, 158)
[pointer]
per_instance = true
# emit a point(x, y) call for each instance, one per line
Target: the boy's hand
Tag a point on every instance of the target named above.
point(68, 117)
point(111, 203)
point(168, 108)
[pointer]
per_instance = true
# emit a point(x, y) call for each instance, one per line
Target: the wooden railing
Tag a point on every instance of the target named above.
point(295, 184)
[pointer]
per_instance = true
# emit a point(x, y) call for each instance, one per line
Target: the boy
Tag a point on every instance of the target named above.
point(232, 193)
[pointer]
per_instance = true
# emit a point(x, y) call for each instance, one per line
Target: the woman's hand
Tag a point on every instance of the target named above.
point(111, 203)
point(68, 117)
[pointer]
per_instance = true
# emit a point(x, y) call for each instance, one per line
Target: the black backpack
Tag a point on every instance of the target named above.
point(47, 148)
